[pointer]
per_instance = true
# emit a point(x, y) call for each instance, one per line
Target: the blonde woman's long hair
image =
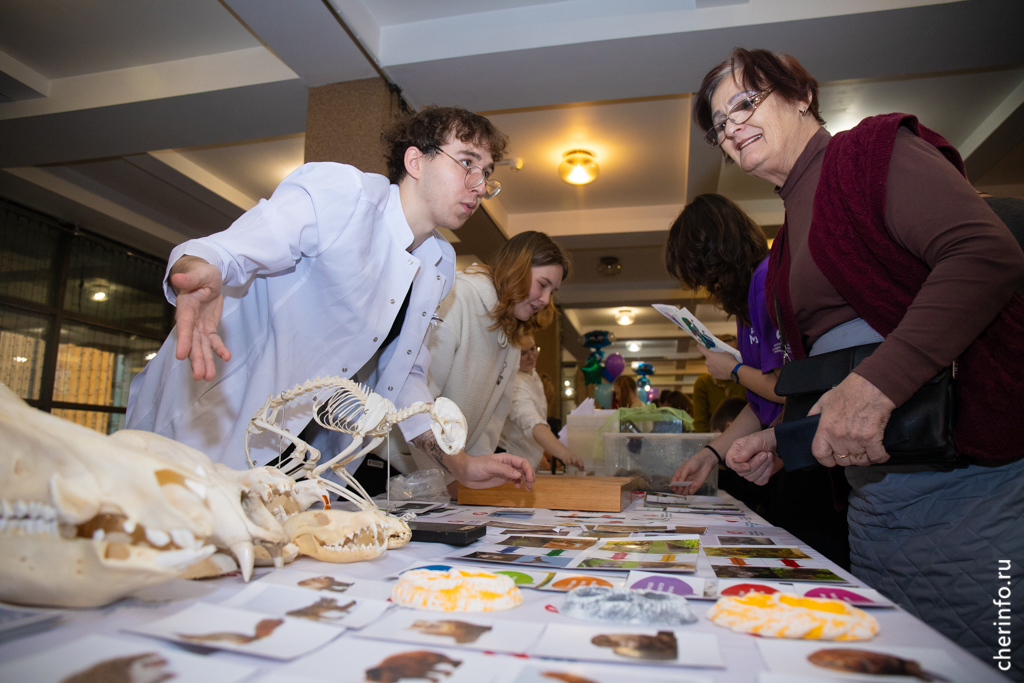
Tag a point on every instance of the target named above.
point(512, 274)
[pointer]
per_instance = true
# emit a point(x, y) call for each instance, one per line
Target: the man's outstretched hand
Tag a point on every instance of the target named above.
point(485, 471)
point(197, 285)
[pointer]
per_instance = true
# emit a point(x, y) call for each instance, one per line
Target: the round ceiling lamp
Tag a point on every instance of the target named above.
point(634, 346)
point(578, 167)
point(625, 317)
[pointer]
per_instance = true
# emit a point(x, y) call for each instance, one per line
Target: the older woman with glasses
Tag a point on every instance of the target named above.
point(526, 432)
point(886, 241)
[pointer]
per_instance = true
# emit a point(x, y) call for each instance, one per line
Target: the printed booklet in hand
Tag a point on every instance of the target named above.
point(688, 321)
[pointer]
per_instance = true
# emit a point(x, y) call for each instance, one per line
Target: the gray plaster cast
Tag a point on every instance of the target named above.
point(624, 606)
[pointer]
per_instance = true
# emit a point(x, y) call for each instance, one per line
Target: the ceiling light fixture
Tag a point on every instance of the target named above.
point(20, 359)
point(609, 266)
point(634, 346)
point(625, 317)
point(151, 355)
point(99, 296)
point(578, 167)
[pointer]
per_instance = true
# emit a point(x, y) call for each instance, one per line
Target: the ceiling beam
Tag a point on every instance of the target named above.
point(213, 117)
point(999, 133)
point(305, 36)
point(19, 82)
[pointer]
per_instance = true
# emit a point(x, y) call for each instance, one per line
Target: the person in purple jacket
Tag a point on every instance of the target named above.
point(715, 245)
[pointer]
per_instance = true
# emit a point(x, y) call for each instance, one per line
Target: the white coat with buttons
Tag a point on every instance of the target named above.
point(313, 281)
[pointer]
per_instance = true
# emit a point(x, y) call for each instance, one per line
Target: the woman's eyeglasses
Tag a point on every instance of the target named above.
point(740, 113)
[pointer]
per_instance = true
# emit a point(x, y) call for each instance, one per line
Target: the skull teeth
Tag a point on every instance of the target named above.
point(28, 526)
point(20, 509)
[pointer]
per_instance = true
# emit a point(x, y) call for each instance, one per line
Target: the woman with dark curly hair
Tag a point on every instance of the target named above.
point(714, 245)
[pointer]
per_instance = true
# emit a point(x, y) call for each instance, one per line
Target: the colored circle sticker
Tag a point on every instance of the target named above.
point(665, 584)
point(518, 577)
point(568, 583)
point(836, 594)
point(744, 588)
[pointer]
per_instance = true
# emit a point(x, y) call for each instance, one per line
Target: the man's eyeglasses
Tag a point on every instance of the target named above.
point(475, 176)
point(740, 113)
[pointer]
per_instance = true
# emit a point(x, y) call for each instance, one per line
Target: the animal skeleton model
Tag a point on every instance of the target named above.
point(345, 406)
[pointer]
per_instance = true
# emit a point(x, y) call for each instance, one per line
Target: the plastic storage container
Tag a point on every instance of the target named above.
point(655, 458)
point(584, 434)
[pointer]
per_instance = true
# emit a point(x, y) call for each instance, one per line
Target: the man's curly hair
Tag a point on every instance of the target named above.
point(435, 126)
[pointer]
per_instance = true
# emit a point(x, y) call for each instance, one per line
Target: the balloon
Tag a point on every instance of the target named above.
point(613, 366)
point(603, 395)
point(592, 370)
point(654, 393)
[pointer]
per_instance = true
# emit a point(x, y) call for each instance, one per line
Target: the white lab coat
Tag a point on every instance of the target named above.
point(314, 278)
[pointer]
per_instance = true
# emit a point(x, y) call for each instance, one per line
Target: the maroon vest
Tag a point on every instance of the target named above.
point(851, 245)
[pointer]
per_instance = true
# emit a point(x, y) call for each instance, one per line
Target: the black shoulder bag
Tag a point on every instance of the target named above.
point(918, 432)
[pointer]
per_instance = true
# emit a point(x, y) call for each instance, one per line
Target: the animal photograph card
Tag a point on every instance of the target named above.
point(251, 633)
point(550, 543)
point(460, 630)
point(854, 661)
point(328, 583)
point(757, 553)
point(107, 659)
point(677, 554)
point(627, 644)
point(359, 660)
point(549, 672)
point(816, 574)
point(13, 617)
point(745, 540)
point(332, 610)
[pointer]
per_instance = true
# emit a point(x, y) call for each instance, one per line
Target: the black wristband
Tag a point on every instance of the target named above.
point(720, 461)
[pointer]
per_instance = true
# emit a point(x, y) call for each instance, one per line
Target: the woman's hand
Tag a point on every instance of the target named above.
point(696, 471)
point(753, 457)
point(720, 363)
point(853, 419)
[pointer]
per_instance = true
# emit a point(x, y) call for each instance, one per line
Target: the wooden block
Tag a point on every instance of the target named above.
point(595, 494)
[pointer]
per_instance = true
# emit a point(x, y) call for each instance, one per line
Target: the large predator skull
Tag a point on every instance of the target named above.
point(339, 536)
point(84, 518)
point(238, 499)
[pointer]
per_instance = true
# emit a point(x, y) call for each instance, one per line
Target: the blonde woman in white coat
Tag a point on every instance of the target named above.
point(526, 432)
point(474, 348)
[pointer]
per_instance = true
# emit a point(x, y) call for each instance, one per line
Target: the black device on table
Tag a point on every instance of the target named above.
point(452, 534)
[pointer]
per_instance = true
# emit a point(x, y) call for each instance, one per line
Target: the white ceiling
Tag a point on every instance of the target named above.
point(156, 121)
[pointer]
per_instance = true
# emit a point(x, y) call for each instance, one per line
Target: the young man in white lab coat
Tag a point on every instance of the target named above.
point(338, 273)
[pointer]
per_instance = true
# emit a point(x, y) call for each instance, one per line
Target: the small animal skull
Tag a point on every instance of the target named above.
point(338, 536)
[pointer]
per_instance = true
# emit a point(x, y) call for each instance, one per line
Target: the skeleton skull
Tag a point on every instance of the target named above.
point(238, 499)
point(84, 519)
point(338, 536)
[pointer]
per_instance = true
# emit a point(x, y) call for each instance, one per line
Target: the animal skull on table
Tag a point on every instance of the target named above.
point(239, 500)
point(86, 519)
point(351, 408)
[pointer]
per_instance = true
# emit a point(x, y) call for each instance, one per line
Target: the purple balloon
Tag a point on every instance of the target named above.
point(614, 365)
